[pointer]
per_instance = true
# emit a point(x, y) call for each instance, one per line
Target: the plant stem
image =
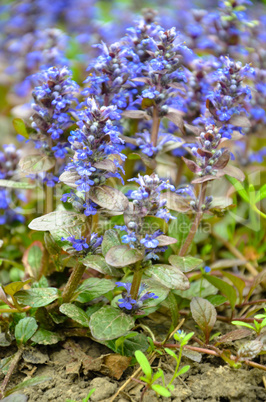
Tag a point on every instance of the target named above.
point(136, 282)
point(73, 282)
point(155, 126)
point(195, 224)
point(12, 367)
point(49, 198)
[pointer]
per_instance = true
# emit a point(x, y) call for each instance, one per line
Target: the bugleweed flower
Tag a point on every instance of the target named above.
point(9, 159)
point(108, 75)
point(81, 244)
point(32, 52)
point(146, 201)
point(145, 145)
point(228, 98)
point(53, 101)
point(92, 144)
point(130, 305)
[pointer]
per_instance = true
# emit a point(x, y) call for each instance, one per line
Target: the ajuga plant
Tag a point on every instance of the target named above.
point(137, 161)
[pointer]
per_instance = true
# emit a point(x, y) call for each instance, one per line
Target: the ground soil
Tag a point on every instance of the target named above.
point(72, 377)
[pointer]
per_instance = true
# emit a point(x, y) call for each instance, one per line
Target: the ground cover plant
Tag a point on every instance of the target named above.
point(132, 182)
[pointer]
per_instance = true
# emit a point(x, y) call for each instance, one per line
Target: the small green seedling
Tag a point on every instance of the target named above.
point(150, 378)
point(258, 326)
point(84, 399)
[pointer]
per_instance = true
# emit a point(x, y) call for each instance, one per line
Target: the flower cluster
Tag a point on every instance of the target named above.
point(146, 201)
point(82, 245)
point(226, 102)
point(210, 156)
point(128, 304)
point(188, 192)
point(92, 144)
point(36, 50)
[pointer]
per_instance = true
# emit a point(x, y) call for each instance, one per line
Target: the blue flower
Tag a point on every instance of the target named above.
point(77, 244)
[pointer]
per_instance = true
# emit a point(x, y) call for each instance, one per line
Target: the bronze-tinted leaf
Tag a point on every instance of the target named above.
point(165, 240)
point(176, 117)
point(204, 153)
point(109, 198)
point(191, 165)
point(204, 178)
point(106, 164)
point(57, 220)
point(234, 172)
point(176, 202)
point(240, 120)
point(122, 256)
point(223, 160)
point(136, 114)
point(36, 163)
point(168, 276)
point(69, 178)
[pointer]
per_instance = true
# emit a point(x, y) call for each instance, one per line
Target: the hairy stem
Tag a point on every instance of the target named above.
point(196, 222)
point(73, 282)
point(9, 373)
point(136, 283)
point(49, 199)
point(155, 126)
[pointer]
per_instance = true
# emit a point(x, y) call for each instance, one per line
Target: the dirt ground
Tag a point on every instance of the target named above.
point(78, 365)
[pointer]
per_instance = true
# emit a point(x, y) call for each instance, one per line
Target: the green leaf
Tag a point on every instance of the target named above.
point(171, 353)
point(45, 337)
point(57, 220)
point(109, 323)
point(183, 370)
point(14, 287)
point(20, 127)
point(130, 343)
point(5, 364)
point(28, 383)
point(243, 324)
point(156, 223)
point(37, 297)
point(173, 308)
point(239, 188)
point(179, 229)
point(33, 259)
point(122, 256)
point(168, 276)
point(92, 288)
point(98, 263)
point(36, 163)
point(110, 239)
point(224, 287)
point(144, 363)
point(201, 288)
point(204, 314)
point(237, 282)
point(16, 184)
point(108, 197)
point(185, 264)
point(216, 300)
point(159, 389)
point(75, 313)
point(25, 329)
point(261, 194)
